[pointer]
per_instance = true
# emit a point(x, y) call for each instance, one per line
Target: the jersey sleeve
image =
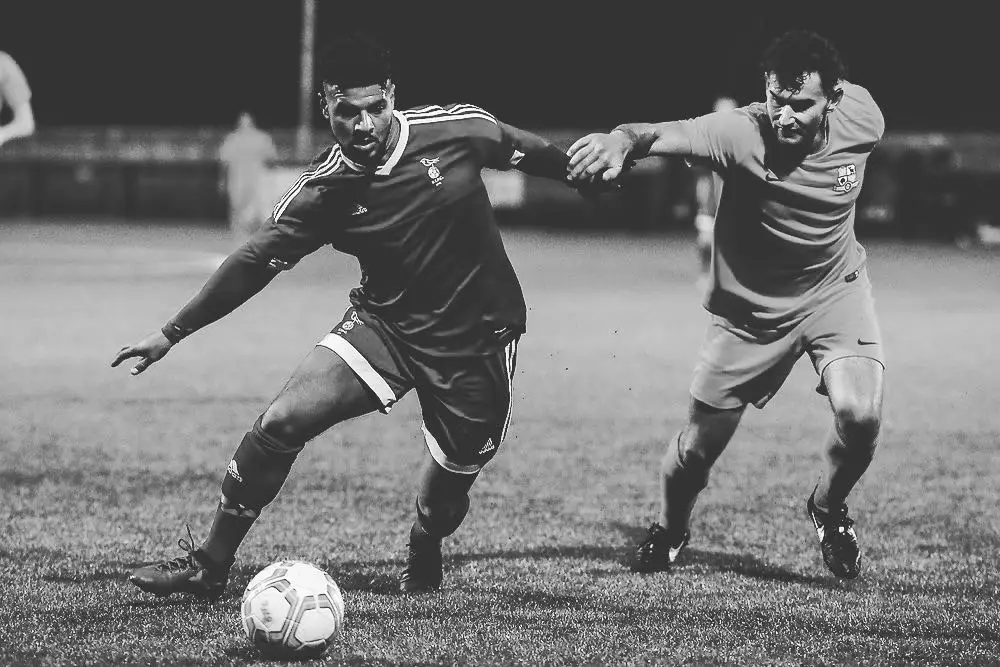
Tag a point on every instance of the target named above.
point(504, 146)
point(301, 220)
point(862, 116)
point(722, 138)
point(14, 88)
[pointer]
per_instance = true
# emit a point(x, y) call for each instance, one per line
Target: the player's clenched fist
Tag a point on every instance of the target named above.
point(150, 350)
point(598, 155)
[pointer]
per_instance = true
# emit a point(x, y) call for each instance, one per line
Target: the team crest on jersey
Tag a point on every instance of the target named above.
point(433, 172)
point(847, 178)
point(348, 324)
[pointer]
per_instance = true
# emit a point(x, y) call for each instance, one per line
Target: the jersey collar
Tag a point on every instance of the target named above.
point(397, 152)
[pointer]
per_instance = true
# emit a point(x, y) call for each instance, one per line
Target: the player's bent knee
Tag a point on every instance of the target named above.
point(686, 465)
point(858, 424)
point(258, 468)
point(278, 425)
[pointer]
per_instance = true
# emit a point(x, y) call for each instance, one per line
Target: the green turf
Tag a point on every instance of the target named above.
point(99, 471)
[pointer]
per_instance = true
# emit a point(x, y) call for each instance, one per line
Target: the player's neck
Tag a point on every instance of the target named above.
point(822, 137)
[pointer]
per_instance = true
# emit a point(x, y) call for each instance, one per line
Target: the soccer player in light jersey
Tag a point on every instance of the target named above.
point(439, 309)
point(788, 277)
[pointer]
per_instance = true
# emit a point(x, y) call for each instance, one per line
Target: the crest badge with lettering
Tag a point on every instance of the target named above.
point(433, 172)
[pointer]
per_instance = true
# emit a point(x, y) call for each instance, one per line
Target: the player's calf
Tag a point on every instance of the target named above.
point(424, 569)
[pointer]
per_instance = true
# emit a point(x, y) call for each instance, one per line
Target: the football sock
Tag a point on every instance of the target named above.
point(254, 476)
point(442, 501)
point(440, 520)
point(681, 482)
point(231, 525)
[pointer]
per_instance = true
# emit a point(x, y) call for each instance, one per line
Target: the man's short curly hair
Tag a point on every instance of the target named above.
point(353, 61)
point(799, 52)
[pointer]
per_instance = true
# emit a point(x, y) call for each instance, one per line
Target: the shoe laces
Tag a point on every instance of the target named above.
point(186, 562)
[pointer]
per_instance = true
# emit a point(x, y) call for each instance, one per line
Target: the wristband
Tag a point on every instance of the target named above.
point(173, 333)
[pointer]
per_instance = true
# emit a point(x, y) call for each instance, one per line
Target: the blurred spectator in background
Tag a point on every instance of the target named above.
point(707, 188)
point(245, 155)
point(15, 93)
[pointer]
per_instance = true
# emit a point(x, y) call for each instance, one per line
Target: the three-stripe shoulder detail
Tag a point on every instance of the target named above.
point(438, 114)
point(324, 168)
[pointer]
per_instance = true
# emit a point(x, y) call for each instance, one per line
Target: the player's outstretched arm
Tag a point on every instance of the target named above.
point(238, 278)
point(604, 155)
point(149, 350)
point(537, 156)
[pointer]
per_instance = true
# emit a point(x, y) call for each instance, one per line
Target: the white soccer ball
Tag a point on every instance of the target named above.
point(292, 607)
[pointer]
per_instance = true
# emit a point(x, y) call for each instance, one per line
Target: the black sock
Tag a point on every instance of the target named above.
point(254, 476)
point(230, 527)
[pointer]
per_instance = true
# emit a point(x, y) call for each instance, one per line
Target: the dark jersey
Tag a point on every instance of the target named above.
point(434, 271)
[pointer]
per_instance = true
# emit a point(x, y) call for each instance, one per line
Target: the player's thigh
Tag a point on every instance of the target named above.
point(736, 367)
point(844, 341)
point(322, 391)
point(467, 408)
point(352, 371)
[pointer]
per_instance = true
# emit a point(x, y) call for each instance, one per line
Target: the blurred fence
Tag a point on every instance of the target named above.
point(917, 185)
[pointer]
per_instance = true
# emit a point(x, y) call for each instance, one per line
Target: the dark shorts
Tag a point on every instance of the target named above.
point(737, 367)
point(465, 401)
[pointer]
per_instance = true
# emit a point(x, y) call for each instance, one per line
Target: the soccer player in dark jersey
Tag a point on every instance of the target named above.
point(438, 310)
point(788, 277)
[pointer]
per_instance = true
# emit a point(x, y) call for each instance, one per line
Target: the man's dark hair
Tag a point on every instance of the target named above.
point(799, 52)
point(355, 60)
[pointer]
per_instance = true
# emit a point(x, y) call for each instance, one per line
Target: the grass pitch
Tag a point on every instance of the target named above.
point(99, 471)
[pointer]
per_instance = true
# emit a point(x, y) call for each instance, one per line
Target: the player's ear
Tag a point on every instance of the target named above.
point(834, 100)
point(324, 109)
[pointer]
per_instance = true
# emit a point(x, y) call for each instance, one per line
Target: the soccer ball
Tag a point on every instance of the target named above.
point(292, 607)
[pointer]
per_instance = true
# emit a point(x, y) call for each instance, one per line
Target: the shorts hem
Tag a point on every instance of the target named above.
point(827, 362)
point(362, 368)
point(738, 403)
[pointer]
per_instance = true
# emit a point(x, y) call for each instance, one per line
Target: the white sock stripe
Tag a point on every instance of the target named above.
point(511, 354)
point(442, 459)
point(360, 365)
point(329, 165)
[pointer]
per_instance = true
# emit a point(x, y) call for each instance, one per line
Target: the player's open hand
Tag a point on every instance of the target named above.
point(149, 350)
point(597, 157)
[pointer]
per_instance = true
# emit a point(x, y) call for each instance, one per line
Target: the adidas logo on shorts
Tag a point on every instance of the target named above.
point(234, 471)
point(488, 447)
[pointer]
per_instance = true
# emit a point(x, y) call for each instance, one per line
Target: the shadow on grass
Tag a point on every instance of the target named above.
point(251, 654)
point(754, 568)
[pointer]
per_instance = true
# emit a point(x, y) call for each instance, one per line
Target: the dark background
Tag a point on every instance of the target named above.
point(536, 64)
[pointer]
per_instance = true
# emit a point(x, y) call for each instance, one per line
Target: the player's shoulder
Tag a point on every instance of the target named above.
point(327, 162)
point(859, 112)
point(456, 114)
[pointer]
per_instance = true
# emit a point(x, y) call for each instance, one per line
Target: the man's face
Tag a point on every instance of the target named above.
point(797, 114)
point(360, 119)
